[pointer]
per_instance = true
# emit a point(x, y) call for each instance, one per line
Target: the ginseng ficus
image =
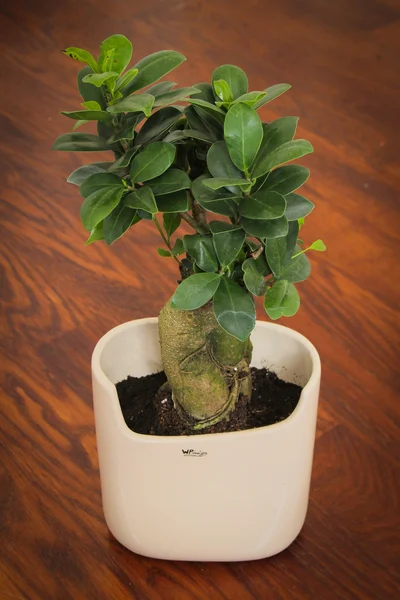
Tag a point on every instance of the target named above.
point(202, 155)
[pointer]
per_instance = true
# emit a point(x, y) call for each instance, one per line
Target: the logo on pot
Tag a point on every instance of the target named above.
point(196, 453)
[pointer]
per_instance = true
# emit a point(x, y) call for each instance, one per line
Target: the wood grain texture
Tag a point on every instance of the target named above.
point(58, 297)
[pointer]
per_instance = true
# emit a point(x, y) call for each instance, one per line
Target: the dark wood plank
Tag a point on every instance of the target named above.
point(58, 297)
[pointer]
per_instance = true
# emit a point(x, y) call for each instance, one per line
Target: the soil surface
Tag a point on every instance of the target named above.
point(147, 406)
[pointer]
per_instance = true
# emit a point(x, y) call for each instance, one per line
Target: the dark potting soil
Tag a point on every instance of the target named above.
point(147, 406)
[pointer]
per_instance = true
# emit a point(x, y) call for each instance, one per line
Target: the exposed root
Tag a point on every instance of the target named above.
point(207, 369)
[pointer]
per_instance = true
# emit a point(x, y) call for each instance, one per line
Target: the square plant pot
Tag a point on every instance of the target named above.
point(211, 497)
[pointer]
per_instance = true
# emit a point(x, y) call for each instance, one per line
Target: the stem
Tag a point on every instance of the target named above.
point(302, 252)
point(166, 241)
point(199, 214)
point(236, 218)
point(257, 252)
point(193, 223)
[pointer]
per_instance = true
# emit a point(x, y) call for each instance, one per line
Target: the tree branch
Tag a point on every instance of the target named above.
point(199, 214)
point(166, 241)
point(193, 223)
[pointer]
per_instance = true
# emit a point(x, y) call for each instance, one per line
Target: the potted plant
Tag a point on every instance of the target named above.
point(212, 163)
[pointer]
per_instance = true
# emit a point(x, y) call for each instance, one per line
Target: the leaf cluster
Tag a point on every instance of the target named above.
point(212, 155)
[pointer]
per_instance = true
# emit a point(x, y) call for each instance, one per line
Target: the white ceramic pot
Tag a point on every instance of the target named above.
point(211, 497)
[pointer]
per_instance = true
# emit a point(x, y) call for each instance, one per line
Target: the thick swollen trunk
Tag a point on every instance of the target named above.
point(206, 367)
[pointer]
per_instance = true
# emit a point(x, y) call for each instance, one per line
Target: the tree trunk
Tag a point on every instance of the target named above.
point(206, 367)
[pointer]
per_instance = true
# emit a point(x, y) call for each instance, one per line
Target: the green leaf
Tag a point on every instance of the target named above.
point(153, 67)
point(127, 132)
point(79, 123)
point(279, 251)
point(87, 115)
point(124, 160)
point(276, 253)
point(137, 218)
point(205, 92)
point(291, 240)
point(174, 96)
point(228, 243)
point(317, 246)
point(282, 300)
point(262, 205)
point(105, 130)
point(198, 135)
point(274, 298)
point(143, 214)
point(274, 135)
point(158, 124)
point(298, 269)
point(171, 222)
point(106, 63)
point(118, 222)
point(176, 202)
point(265, 229)
point(161, 88)
point(220, 202)
point(297, 207)
point(219, 164)
point(179, 248)
point(89, 92)
point(138, 103)
point(91, 105)
point(283, 154)
point(199, 120)
point(184, 134)
point(234, 309)
point(172, 180)
point(97, 234)
point(164, 253)
point(211, 121)
point(223, 90)
point(286, 179)
point(98, 181)
point(125, 79)
point(251, 98)
point(201, 249)
point(99, 79)
point(208, 107)
point(219, 182)
point(80, 142)
point(99, 204)
point(243, 133)
point(152, 161)
point(78, 176)
point(271, 93)
point(220, 226)
point(117, 95)
point(253, 277)
point(235, 77)
point(143, 199)
point(122, 51)
point(82, 56)
point(210, 115)
point(301, 222)
point(195, 291)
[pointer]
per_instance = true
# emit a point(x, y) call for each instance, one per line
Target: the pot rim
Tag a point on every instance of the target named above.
point(124, 429)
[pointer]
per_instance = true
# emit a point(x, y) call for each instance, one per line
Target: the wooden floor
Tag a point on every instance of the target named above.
point(58, 297)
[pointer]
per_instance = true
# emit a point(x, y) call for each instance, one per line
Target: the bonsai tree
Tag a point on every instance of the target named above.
point(216, 165)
